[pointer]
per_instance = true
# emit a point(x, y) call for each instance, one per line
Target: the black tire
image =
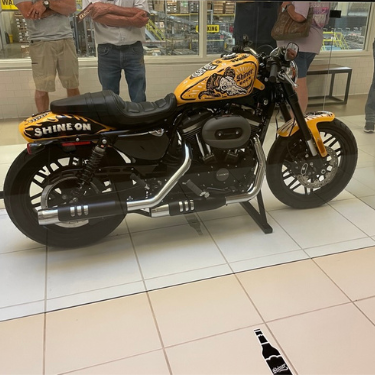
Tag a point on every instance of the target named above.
point(287, 159)
point(29, 176)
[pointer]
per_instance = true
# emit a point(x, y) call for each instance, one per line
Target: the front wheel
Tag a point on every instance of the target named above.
point(301, 181)
point(48, 179)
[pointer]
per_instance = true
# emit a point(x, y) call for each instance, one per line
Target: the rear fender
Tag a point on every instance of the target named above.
point(312, 120)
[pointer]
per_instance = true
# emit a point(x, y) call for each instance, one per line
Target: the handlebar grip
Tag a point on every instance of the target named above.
point(273, 73)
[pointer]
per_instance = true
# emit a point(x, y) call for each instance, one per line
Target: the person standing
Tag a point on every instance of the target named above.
point(370, 104)
point(256, 19)
point(310, 46)
point(119, 33)
point(52, 48)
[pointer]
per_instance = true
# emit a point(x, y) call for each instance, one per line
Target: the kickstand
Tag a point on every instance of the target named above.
point(258, 216)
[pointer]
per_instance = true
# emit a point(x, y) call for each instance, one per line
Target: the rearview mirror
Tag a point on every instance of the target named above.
point(291, 51)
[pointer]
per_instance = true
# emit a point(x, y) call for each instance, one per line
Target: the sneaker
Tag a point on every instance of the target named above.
point(369, 127)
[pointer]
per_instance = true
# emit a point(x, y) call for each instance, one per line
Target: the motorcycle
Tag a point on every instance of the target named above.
point(94, 158)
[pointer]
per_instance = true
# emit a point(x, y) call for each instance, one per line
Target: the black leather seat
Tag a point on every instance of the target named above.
point(108, 108)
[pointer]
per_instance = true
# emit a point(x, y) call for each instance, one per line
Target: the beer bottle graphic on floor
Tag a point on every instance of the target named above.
point(272, 356)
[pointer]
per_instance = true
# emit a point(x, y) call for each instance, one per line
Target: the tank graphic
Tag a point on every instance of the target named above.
point(48, 125)
point(231, 76)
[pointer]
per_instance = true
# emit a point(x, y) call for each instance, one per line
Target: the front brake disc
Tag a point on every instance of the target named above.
point(316, 180)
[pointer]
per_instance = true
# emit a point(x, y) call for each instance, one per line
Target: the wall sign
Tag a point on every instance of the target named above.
point(210, 28)
point(8, 5)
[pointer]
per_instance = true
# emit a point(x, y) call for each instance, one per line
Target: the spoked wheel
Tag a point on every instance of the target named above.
point(50, 179)
point(301, 181)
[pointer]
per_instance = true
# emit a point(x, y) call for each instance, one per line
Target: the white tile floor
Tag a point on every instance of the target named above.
point(202, 327)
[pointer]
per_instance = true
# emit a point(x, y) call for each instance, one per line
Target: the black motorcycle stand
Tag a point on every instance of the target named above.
point(258, 216)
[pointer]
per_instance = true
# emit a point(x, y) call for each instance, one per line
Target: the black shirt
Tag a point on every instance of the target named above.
point(255, 19)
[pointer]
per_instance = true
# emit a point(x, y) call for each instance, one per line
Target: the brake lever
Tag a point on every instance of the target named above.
point(283, 76)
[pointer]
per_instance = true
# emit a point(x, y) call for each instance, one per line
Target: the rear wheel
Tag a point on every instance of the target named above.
point(48, 179)
point(301, 181)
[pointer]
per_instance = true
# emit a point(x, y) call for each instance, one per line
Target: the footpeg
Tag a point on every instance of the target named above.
point(196, 190)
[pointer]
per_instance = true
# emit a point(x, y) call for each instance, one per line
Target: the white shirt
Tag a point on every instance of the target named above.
point(119, 36)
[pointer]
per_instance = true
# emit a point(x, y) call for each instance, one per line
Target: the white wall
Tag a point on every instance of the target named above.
point(363, 67)
point(17, 86)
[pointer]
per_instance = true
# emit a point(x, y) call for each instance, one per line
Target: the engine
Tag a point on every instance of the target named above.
point(223, 157)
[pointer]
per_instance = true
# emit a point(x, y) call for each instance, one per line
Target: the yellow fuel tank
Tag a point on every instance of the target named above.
point(231, 76)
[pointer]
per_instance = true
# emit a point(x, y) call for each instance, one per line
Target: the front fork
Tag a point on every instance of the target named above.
point(299, 117)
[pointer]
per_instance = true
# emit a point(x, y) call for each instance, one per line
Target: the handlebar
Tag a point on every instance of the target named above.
point(273, 72)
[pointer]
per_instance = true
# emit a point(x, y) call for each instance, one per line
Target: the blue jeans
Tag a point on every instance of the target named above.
point(370, 104)
point(303, 61)
point(113, 59)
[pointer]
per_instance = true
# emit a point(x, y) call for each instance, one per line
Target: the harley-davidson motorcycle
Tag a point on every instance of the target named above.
point(94, 158)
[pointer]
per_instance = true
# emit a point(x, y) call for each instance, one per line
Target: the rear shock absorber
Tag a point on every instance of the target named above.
point(93, 164)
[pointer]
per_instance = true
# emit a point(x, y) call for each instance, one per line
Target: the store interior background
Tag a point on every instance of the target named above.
point(164, 72)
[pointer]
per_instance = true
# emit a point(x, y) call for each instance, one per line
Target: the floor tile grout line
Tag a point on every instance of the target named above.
point(265, 323)
point(346, 295)
point(17, 251)
point(184, 272)
point(336, 243)
point(346, 218)
point(150, 305)
point(285, 231)
point(108, 362)
point(201, 221)
point(136, 257)
point(22, 304)
point(217, 246)
point(310, 311)
point(252, 326)
point(159, 333)
point(44, 313)
point(365, 235)
point(94, 290)
point(363, 313)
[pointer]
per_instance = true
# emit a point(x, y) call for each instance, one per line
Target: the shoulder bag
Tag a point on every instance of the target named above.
point(286, 28)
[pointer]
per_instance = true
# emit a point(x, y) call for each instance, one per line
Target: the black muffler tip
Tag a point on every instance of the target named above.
point(81, 212)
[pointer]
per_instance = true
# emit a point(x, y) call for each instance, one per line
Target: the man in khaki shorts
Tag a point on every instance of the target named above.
point(52, 47)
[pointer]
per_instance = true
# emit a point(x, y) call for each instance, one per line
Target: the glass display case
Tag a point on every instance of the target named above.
point(173, 29)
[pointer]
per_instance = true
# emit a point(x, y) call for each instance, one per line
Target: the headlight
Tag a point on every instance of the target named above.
point(292, 71)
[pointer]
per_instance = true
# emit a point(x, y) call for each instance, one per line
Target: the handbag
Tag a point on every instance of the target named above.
point(286, 28)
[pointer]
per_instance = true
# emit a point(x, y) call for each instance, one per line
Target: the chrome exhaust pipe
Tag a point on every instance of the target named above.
point(205, 204)
point(111, 208)
point(152, 202)
point(259, 177)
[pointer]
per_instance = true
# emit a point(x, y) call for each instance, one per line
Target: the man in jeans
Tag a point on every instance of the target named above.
point(119, 32)
point(52, 48)
point(370, 104)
